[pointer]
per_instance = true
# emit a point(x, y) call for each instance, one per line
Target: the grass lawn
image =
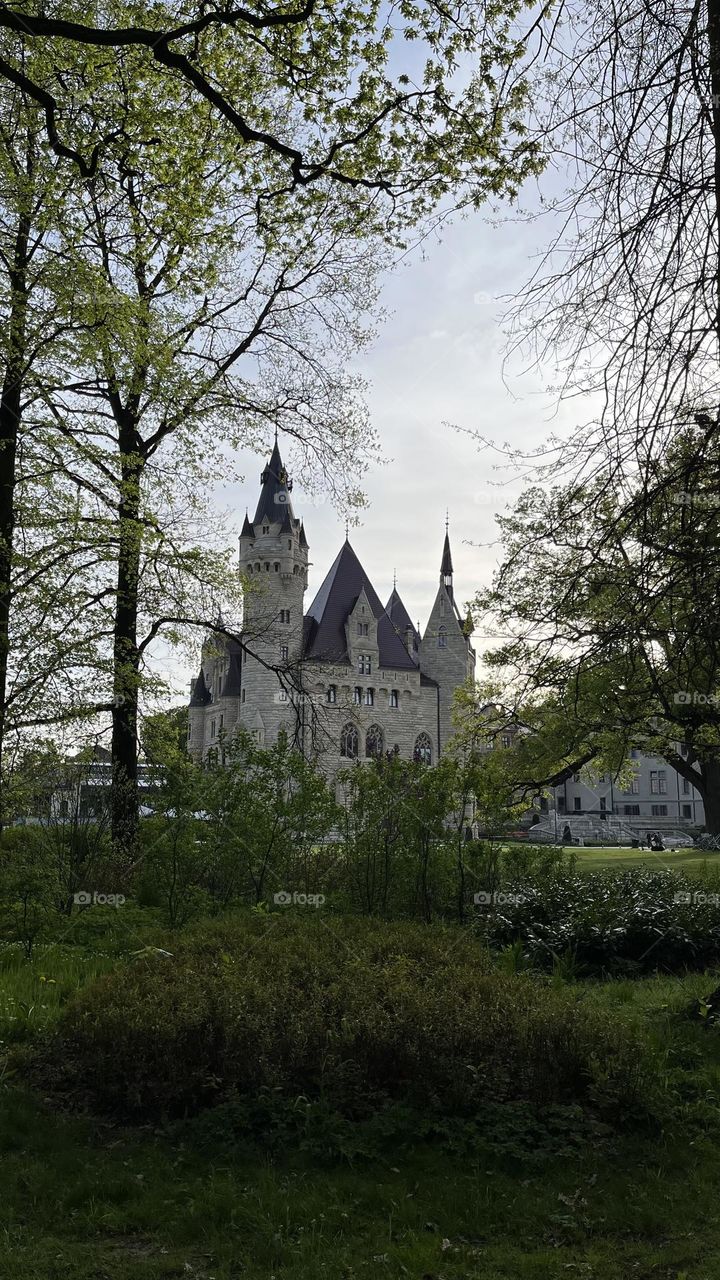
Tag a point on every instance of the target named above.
point(690, 860)
point(84, 1199)
point(81, 1201)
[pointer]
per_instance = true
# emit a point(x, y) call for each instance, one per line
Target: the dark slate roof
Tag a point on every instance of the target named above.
point(326, 617)
point(201, 693)
point(303, 539)
point(274, 501)
point(428, 680)
point(247, 529)
point(447, 565)
point(400, 618)
point(233, 680)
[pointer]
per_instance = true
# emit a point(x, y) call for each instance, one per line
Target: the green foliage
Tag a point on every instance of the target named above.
point(356, 1013)
point(628, 922)
point(238, 829)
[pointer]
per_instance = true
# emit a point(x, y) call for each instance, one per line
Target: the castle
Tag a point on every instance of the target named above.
point(345, 680)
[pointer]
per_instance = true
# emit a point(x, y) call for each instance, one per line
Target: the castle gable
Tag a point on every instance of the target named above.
point(326, 636)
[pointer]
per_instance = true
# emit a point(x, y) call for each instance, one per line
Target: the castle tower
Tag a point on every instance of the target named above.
point(446, 654)
point(273, 561)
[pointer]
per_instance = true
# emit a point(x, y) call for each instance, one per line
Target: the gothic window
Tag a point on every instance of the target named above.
point(374, 741)
point(394, 698)
point(332, 693)
point(423, 749)
point(349, 742)
point(442, 638)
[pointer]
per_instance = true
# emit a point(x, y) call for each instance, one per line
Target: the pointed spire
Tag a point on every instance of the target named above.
point(301, 537)
point(275, 492)
point(247, 529)
point(446, 567)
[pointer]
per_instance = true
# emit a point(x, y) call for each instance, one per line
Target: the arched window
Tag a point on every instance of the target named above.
point(374, 741)
point(423, 749)
point(442, 638)
point(349, 742)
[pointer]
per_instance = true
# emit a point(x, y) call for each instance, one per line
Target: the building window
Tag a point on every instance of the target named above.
point(222, 718)
point(362, 628)
point(283, 653)
point(635, 787)
point(266, 528)
point(577, 803)
point(631, 810)
point(442, 638)
point(422, 753)
point(332, 693)
point(369, 697)
point(662, 781)
point(506, 740)
point(686, 787)
point(349, 742)
point(357, 695)
point(242, 696)
point(283, 695)
point(576, 777)
point(687, 811)
point(276, 567)
point(284, 615)
point(289, 544)
point(212, 728)
point(654, 782)
point(364, 664)
point(374, 741)
point(634, 753)
point(603, 804)
point(659, 810)
point(394, 698)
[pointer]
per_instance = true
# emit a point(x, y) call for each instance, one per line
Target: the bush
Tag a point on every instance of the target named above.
point(634, 922)
point(356, 1013)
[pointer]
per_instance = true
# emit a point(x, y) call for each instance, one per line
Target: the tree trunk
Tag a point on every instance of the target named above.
point(10, 416)
point(126, 655)
point(710, 792)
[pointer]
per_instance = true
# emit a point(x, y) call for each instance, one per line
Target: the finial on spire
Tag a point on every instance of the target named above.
point(347, 529)
point(394, 579)
point(447, 519)
point(276, 432)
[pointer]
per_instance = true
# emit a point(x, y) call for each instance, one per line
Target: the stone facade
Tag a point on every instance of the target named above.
point(345, 680)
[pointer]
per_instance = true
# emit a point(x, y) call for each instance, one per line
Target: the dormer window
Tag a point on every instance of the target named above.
point(442, 638)
point(266, 528)
point(362, 628)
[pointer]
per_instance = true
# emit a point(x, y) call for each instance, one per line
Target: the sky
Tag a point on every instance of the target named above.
point(437, 360)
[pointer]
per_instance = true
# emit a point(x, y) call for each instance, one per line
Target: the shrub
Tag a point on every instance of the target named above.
point(357, 1013)
point(634, 921)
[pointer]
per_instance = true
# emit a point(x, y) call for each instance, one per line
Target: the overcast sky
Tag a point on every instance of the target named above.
point(437, 360)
